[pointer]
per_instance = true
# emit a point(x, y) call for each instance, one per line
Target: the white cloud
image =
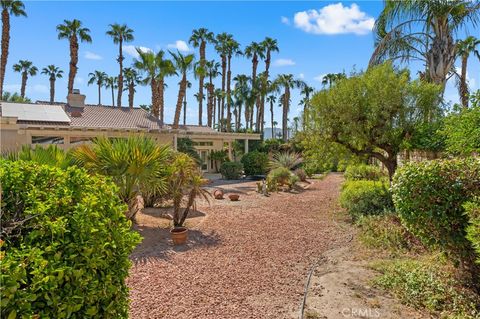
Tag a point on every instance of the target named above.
point(92, 56)
point(283, 62)
point(285, 20)
point(180, 45)
point(301, 76)
point(132, 50)
point(334, 19)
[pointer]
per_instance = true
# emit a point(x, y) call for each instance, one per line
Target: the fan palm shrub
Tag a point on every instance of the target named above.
point(289, 160)
point(51, 156)
point(137, 165)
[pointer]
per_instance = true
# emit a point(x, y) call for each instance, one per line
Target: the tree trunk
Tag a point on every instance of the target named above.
point(224, 74)
point(286, 106)
point(181, 94)
point(210, 107)
point(24, 84)
point(73, 62)
point(219, 113)
point(155, 106)
point(113, 96)
point(5, 45)
point(200, 82)
point(264, 87)
point(463, 82)
point(99, 94)
point(131, 93)
point(185, 109)
point(214, 107)
point(160, 98)
point(52, 90)
point(271, 114)
point(120, 74)
point(441, 55)
point(229, 107)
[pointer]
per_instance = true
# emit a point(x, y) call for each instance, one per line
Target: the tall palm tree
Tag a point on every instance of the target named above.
point(272, 99)
point(464, 49)
point(73, 31)
point(286, 82)
point(269, 45)
point(99, 78)
point(183, 63)
point(26, 68)
point(53, 73)
point(306, 93)
point(120, 33)
point(423, 30)
point(111, 82)
point(331, 78)
point(233, 48)
point(240, 92)
point(199, 39)
point(221, 48)
point(131, 80)
point(9, 7)
point(219, 95)
point(189, 85)
point(254, 51)
point(211, 68)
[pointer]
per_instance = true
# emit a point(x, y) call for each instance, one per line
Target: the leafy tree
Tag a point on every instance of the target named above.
point(120, 33)
point(72, 30)
point(53, 73)
point(99, 78)
point(15, 97)
point(332, 78)
point(465, 48)
point(26, 68)
point(9, 7)
point(371, 114)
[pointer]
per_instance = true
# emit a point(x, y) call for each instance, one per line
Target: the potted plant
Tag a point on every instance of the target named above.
point(185, 184)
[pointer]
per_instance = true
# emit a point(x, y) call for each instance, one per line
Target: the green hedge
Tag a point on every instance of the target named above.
point(429, 198)
point(255, 163)
point(66, 243)
point(472, 209)
point(361, 198)
point(363, 171)
point(231, 170)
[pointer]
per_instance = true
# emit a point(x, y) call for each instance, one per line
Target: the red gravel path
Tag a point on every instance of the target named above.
point(247, 259)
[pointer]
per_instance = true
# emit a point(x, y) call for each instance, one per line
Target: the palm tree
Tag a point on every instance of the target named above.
point(72, 30)
point(26, 68)
point(233, 48)
point(120, 33)
point(241, 94)
point(272, 99)
point(464, 48)
point(269, 45)
point(287, 82)
point(199, 39)
point(306, 92)
point(274, 125)
point(131, 80)
point(9, 7)
point(423, 30)
point(111, 82)
point(99, 78)
point(183, 63)
point(189, 85)
point(9, 97)
point(254, 51)
point(53, 73)
point(331, 78)
point(219, 94)
point(211, 68)
point(221, 48)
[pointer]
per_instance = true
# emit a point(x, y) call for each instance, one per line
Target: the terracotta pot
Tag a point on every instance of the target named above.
point(179, 235)
point(218, 194)
point(234, 197)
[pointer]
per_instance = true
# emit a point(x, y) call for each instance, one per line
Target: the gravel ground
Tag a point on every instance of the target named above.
point(246, 259)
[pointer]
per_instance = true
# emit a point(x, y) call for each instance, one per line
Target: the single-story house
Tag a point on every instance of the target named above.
point(73, 123)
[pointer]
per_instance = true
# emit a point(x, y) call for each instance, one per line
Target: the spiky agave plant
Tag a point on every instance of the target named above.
point(51, 155)
point(289, 160)
point(137, 165)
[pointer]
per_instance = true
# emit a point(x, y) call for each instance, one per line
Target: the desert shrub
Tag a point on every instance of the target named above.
point(429, 198)
point(280, 177)
point(429, 284)
point(386, 232)
point(289, 160)
point(66, 243)
point(51, 155)
point(363, 171)
point(301, 174)
point(472, 209)
point(255, 163)
point(231, 170)
point(363, 197)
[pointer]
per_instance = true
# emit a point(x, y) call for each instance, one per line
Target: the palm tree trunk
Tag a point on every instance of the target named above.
point(120, 74)
point(286, 106)
point(200, 82)
point(113, 96)
point(5, 45)
point(211, 107)
point(264, 87)
point(99, 94)
point(181, 94)
point(131, 93)
point(441, 56)
point(219, 113)
point(160, 98)
point(214, 104)
point(463, 82)
point(185, 109)
point(224, 74)
point(229, 107)
point(24, 84)
point(155, 105)
point(271, 114)
point(73, 62)
point(52, 90)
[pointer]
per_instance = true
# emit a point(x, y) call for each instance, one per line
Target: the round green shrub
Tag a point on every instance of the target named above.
point(255, 163)
point(362, 171)
point(281, 176)
point(65, 244)
point(361, 198)
point(231, 170)
point(429, 198)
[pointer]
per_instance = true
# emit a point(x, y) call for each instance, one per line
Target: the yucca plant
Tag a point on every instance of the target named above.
point(51, 155)
point(137, 165)
point(289, 160)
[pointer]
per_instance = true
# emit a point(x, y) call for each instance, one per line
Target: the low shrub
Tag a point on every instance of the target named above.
point(429, 198)
point(231, 170)
point(290, 160)
point(362, 171)
point(472, 209)
point(429, 284)
point(255, 163)
point(362, 198)
point(280, 177)
point(65, 244)
point(301, 174)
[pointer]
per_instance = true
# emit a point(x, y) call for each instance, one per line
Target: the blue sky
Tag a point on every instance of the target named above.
point(342, 43)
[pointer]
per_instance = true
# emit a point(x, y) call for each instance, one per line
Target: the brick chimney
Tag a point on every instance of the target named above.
point(76, 99)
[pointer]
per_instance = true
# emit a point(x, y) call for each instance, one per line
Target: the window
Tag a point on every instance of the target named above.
point(203, 143)
point(47, 140)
